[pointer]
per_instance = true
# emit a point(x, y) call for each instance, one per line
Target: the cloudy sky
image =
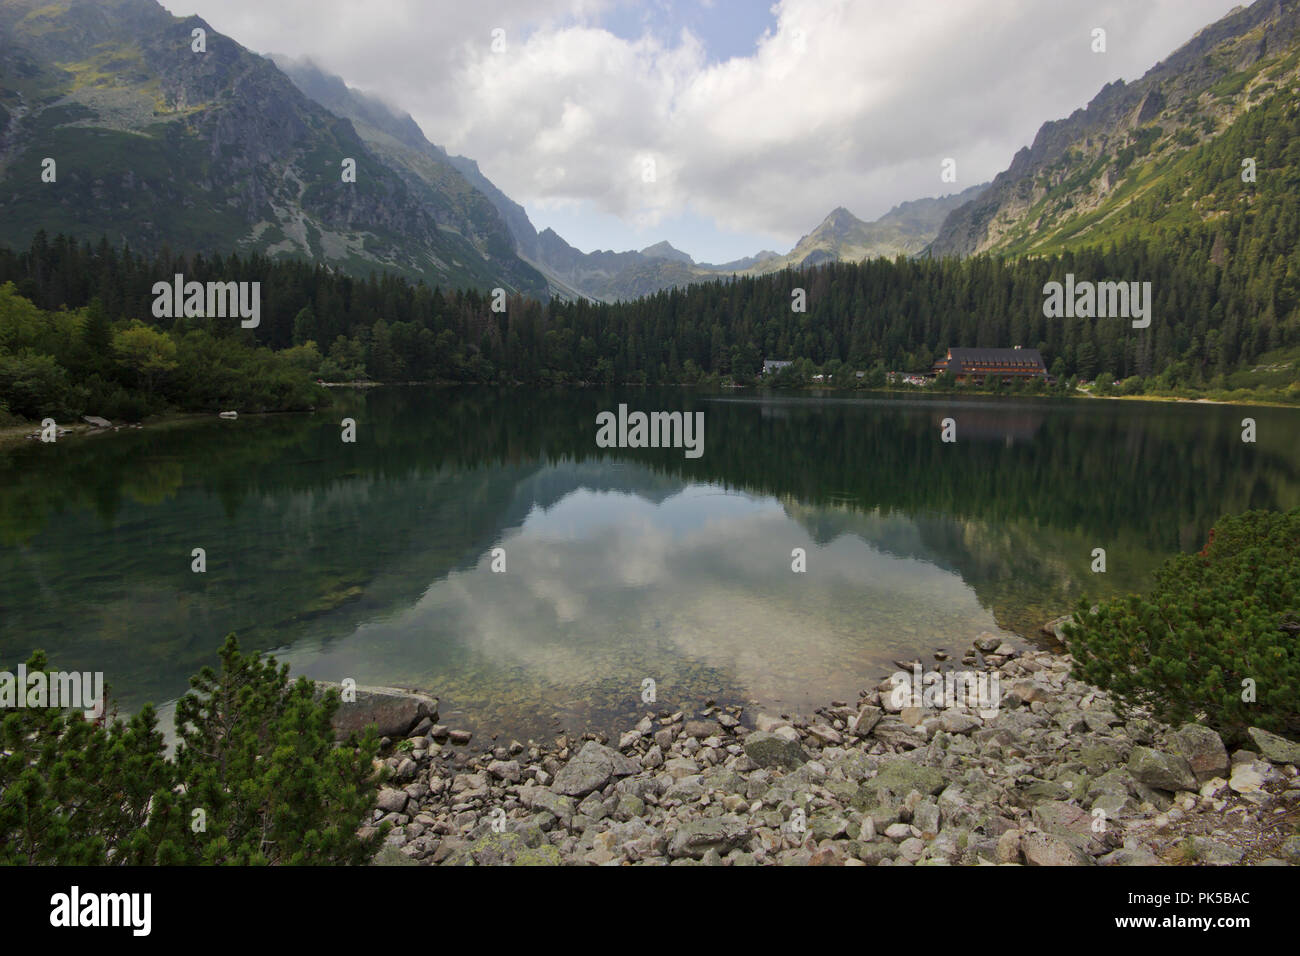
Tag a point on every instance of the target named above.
point(724, 127)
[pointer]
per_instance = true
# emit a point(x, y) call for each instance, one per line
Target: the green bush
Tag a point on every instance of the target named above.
point(35, 385)
point(257, 778)
point(1215, 625)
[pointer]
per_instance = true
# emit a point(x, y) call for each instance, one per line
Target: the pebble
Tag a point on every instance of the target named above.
point(1014, 784)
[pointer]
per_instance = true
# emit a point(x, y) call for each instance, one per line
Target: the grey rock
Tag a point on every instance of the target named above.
point(1203, 750)
point(391, 710)
point(697, 837)
point(866, 719)
point(1290, 848)
point(1130, 856)
point(770, 750)
point(899, 734)
point(1046, 849)
point(1068, 822)
point(542, 799)
point(899, 777)
point(955, 723)
point(508, 770)
point(1213, 852)
point(926, 818)
point(392, 801)
point(701, 729)
point(591, 769)
point(1161, 771)
point(1274, 748)
point(1249, 777)
point(504, 849)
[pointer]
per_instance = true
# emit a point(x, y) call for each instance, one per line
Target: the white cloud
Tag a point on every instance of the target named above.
point(843, 102)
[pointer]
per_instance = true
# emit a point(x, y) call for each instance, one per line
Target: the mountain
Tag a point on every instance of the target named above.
point(603, 275)
point(741, 265)
point(665, 250)
point(843, 237)
point(457, 200)
point(159, 145)
point(609, 276)
point(1140, 146)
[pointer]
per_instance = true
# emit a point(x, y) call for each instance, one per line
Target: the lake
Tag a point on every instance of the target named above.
point(374, 560)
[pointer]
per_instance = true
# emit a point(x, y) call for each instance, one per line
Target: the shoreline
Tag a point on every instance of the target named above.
point(1050, 776)
point(13, 434)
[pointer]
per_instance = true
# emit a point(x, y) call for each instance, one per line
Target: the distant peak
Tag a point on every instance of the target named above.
point(838, 220)
point(665, 250)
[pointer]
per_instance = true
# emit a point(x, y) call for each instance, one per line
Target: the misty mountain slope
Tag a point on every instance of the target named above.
point(1082, 177)
point(457, 203)
point(463, 192)
point(158, 145)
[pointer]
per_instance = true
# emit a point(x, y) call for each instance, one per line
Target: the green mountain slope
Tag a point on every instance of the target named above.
point(158, 145)
point(1161, 153)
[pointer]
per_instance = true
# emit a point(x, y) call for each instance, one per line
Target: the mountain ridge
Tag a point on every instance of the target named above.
point(606, 274)
point(210, 150)
point(1081, 170)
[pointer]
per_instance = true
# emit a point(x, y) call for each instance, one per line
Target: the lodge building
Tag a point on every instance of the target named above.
point(975, 365)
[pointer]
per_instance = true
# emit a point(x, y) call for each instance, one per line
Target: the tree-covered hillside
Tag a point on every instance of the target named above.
point(1224, 279)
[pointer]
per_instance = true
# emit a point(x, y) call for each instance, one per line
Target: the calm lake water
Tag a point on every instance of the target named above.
point(373, 560)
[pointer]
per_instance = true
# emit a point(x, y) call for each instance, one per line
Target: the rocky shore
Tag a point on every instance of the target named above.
point(1051, 776)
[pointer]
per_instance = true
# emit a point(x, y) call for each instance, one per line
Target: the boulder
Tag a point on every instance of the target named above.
point(591, 769)
point(771, 750)
point(1213, 852)
point(867, 718)
point(1070, 823)
point(507, 770)
point(1046, 849)
point(1203, 750)
point(391, 710)
point(769, 723)
point(541, 799)
point(900, 777)
point(1161, 771)
point(697, 837)
point(1275, 748)
point(1249, 777)
point(1056, 627)
point(1130, 856)
point(700, 729)
point(956, 723)
point(504, 849)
